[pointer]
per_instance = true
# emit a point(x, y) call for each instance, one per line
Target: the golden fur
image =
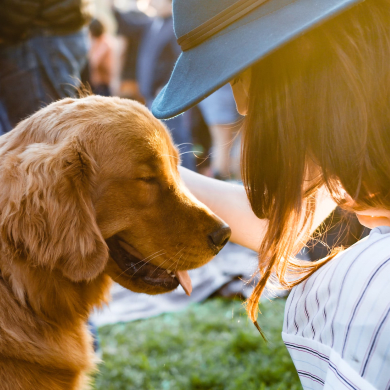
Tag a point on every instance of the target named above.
point(71, 176)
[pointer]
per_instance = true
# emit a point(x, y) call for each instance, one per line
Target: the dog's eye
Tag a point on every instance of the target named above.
point(148, 179)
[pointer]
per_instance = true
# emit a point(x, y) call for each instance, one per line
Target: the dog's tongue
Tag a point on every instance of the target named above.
point(185, 281)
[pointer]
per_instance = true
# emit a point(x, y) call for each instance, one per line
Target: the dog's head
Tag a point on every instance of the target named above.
point(91, 186)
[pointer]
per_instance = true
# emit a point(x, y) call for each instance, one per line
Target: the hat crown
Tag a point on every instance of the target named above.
point(189, 14)
point(205, 66)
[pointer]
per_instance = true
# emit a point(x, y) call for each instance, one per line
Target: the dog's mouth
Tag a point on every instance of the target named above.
point(133, 264)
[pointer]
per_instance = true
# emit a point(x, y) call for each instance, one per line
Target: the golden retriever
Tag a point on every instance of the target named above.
point(89, 192)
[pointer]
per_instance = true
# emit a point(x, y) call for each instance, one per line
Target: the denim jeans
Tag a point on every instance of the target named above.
point(5, 126)
point(38, 71)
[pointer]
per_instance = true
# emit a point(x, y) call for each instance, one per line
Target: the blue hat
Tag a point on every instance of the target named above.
point(221, 38)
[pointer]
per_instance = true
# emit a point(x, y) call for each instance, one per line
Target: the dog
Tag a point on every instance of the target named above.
point(89, 193)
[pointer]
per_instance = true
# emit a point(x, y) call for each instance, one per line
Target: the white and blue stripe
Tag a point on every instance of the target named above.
point(337, 322)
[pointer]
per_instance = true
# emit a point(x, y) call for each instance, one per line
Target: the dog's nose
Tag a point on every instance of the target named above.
point(218, 238)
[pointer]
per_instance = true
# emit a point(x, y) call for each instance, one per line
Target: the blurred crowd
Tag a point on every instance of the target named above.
point(49, 48)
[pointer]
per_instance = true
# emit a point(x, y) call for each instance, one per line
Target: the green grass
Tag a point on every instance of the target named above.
point(209, 346)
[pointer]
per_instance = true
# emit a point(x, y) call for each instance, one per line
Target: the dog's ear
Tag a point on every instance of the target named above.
point(47, 214)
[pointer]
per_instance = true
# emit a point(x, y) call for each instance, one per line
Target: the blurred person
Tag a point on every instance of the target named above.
point(100, 59)
point(220, 113)
point(128, 77)
point(157, 54)
point(43, 48)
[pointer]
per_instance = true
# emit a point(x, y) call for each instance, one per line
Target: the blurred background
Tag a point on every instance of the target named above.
point(49, 49)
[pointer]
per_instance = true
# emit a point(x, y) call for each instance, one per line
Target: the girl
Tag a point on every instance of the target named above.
point(313, 79)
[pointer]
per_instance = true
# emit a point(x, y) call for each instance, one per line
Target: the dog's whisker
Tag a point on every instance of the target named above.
point(184, 143)
point(152, 255)
point(147, 259)
point(169, 259)
point(190, 151)
point(177, 261)
point(143, 265)
point(179, 252)
point(146, 262)
point(172, 257)
point(155, 254)
point(176, 264)
point(159, 266)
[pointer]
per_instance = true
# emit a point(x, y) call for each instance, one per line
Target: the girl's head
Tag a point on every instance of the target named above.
point(96, 28)
point(318, 109)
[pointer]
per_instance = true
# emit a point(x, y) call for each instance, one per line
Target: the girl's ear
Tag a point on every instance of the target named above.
point(240, 87)
point(47, 214)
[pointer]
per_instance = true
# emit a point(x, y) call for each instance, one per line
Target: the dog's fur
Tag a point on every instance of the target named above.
point(71, 176)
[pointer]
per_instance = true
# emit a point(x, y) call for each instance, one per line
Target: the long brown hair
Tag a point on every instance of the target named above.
point(319, 108)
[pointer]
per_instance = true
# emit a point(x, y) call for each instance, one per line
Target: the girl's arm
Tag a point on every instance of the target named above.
point(229, 202)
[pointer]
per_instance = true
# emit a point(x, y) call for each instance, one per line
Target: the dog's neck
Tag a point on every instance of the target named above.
point(51, 296)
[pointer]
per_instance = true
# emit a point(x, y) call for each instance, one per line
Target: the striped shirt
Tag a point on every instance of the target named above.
point(337, 322)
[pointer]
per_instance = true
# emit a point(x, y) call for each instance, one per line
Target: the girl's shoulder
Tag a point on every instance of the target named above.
point(351, 274)
point(369, 256)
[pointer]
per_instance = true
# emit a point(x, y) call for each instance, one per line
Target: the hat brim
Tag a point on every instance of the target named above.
point(205, 68)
